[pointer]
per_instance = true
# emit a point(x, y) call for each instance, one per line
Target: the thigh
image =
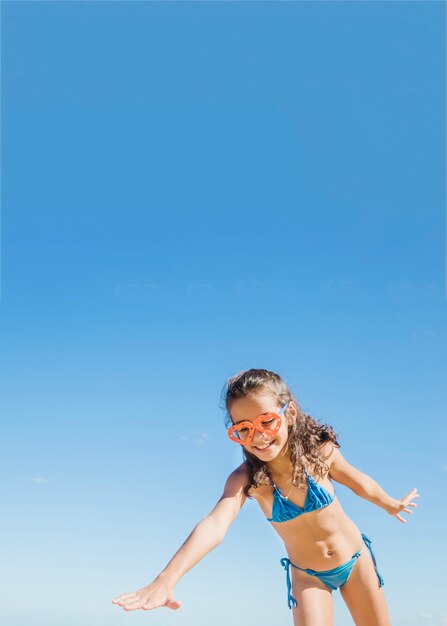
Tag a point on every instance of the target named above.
point(314, 600)
point(363, 596)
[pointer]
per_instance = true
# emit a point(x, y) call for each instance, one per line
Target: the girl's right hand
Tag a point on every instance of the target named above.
point(157, 593)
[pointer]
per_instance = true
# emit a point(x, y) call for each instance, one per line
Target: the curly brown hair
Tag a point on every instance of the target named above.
point(306, 435)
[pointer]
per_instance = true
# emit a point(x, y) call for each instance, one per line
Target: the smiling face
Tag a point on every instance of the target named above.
point(263, 446)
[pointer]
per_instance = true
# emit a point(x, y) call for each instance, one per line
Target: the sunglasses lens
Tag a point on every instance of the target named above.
point(242, 433)
point(271, 423)
point(239, 433)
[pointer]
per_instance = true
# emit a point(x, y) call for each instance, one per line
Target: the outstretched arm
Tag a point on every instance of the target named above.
point(206, 536)
point(365, 487)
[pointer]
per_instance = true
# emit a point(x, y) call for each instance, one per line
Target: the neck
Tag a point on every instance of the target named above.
point(281, 467)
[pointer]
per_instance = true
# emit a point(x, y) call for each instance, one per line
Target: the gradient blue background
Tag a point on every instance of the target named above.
point(190, 189)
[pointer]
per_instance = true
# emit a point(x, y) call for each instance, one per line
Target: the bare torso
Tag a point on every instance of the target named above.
point(318, 540)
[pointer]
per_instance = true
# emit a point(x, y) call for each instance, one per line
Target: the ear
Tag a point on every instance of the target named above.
point(291, 412)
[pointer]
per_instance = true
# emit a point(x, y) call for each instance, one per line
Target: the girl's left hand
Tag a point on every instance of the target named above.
point(403, 503)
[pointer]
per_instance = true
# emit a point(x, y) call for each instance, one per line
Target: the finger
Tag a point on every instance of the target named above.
point(401, 519)
point(124, 602)
point(131, 606)
point(408, 501)
point(124, 597)
point(173, 604)
point(408, 511)
point(151, 604)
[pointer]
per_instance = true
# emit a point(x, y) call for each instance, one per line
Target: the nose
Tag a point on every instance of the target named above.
point(259, 438)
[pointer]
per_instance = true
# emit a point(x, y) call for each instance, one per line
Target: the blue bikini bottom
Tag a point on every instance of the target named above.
point(333, 578)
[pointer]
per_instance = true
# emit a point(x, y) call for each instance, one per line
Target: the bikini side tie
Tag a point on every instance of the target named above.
point(286, 563)
point(368, 542)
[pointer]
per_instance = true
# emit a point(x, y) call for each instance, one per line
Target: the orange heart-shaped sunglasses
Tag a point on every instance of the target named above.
point(243, 432)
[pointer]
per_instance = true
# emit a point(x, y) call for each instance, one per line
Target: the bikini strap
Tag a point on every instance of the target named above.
point(368, 542)
point(286, 563)
point(275, 487)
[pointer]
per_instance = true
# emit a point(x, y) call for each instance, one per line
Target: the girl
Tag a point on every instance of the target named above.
point(289, 464)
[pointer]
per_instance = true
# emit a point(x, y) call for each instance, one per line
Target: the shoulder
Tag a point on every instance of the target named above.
point(241, 470)
point(340, 469)
point(327, 452)
point(240, 478)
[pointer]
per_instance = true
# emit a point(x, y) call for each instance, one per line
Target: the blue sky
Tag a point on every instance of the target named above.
point(190, 189)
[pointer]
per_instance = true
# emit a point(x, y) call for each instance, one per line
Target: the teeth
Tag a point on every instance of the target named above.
point(267, 446)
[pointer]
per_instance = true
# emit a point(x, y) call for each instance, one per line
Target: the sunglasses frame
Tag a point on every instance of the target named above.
point(256, 424)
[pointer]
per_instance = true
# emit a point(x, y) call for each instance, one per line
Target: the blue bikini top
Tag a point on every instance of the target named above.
point(284, 510)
